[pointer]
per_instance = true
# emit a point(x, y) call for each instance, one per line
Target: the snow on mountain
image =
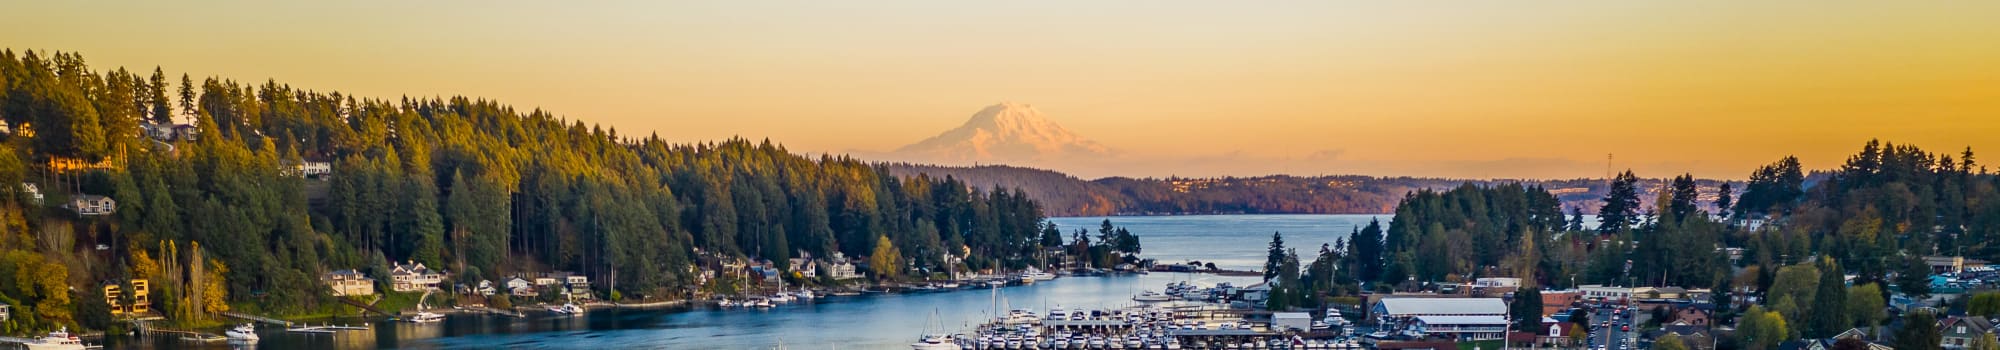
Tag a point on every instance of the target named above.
point(1004, 133)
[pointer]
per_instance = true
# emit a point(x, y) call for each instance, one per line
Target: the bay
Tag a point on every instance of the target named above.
point(889, 321)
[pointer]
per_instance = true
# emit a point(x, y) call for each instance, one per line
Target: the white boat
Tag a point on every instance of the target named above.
point(425, 317)
point(1150, 296)
point(757, 303)
point(568, 308)
point(806, 294)
point(726, 303)
point(57, 340)
point(244, 332)
point(934, 338)
point(1038, 274)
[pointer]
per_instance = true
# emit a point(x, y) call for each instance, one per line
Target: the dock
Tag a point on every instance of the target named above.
point(326, 329)
point(258, 318)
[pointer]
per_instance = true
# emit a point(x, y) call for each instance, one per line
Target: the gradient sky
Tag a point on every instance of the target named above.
point(1463, 89)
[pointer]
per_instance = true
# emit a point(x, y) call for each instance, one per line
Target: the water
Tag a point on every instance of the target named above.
point(866, 322)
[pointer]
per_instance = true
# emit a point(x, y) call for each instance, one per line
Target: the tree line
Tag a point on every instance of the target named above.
point(468, 185)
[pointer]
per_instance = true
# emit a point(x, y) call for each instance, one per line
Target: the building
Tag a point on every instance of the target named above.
point(414, 277)
point(1604, 293)
point(803, 265)
point(1496, 282)
point(6, 311)
point(1960, 331)
point(1658, 293)
point(1557, 301)
point(841, 269)
point(579, 285)
point(308, 169)
point(1689, 316)
point(349, 283)
point(33, 192)
point(1952, 264)
point(520, 286)
point(1291, 320)
point(90, 204)
point(114, 295)
point(1694, 337)
point(1461, 328)
point(1405, 308)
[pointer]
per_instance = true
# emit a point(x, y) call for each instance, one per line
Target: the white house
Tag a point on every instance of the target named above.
point(520, 286)
point(414, 276)
point(308, 169)
point(840, 268)
point(349, 283)
point(5, 312)
point(485, 288)
point(90, 204)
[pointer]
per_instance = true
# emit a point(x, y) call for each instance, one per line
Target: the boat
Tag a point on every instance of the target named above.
point(806, 294)
point(246, 332)
point(934, 338)
point(1037, 274)
point(1150, 296)
point(57, 340)
point(425, 317)
point(726, 303)
point(567, 308)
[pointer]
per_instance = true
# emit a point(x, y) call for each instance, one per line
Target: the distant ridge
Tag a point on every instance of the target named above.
point(1065, 195)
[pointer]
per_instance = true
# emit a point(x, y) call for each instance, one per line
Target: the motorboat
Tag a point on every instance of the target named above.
point(567, 309)
point(1038, 274)
point(1151, 297)
point(57, 340)
point(246, 332)
point(425, 317)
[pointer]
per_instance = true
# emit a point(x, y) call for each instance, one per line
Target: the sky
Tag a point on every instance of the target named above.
point(1479, 89)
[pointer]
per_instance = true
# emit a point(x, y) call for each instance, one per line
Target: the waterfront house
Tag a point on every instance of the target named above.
point(520, 286)
point(579, 285)
point(842, 269)
point(349, 283)
point(6, 311)
point(90, 204)
point(1959, 332)
point(485, 288)
point(803, 265)
point(413, 277)
point(114, 295)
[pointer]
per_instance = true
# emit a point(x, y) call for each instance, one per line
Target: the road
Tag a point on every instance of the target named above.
point(1608, 329)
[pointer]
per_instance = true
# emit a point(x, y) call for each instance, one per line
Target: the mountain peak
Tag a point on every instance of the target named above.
point(1004, 132)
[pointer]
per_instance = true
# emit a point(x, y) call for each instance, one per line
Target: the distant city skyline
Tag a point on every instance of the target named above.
point(1530, 89)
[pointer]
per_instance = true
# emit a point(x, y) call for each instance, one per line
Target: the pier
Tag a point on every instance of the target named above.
point(258, 318)
point(327, 329)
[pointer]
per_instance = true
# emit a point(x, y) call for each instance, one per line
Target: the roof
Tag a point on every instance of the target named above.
point(1472, 320)
point(1443, 306)
point(1977, 324)
point(1291, 315)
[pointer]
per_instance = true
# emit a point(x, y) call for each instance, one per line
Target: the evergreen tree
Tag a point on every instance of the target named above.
point(1829, 303)
point(1621, 205)
point(1276, 257)
point(1919, 332)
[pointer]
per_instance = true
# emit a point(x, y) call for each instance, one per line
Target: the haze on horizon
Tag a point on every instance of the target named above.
point(1516, 89)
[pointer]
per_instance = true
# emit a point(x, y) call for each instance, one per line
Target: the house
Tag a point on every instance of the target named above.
point(578, 284)
point(349, 283)
point(186, 131)
point(1689, 316)
point(308, 168)
point(162, 132)
point(1694, 337)
point(34, 192)
point(520, 286)
point(1255, 294)
point(413, 277)
point(803, 265)
point(841, 269)
point(1959, 332)
point(1557, 333)
point(485, 288)
point(114, 295)
point(6, 311)
point(90, 204)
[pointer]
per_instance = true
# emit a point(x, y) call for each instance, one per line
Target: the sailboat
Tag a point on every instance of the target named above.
point(934, 337)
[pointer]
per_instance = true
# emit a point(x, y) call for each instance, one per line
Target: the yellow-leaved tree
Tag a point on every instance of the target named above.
point(885, 260)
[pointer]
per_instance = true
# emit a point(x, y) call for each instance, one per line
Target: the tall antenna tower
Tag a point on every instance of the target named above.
point(1607, 168)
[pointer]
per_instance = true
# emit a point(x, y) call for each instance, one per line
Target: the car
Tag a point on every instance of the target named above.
point(1627, 328)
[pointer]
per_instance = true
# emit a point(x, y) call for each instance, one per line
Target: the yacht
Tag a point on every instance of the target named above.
point(805, 294)
point(1150, 296)
point(1039, 275)
point(566, 309)
point(425, 317)
point(243, 332)
point(57, 340)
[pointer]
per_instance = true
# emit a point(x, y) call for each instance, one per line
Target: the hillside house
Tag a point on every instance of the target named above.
point(349, 283)
point(485, 288)
point(308, 169)
point(841, 269)
point(91, 205)
point(6, 311)
point(1959, 332)
point(520, 286)
point(34, 192)
point(414, 277)
point(114, 295)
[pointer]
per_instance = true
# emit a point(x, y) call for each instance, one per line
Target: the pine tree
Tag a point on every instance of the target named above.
point(1276, 259)
point(1621, 205)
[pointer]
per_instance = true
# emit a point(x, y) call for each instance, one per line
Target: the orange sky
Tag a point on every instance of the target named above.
point(1473, 89)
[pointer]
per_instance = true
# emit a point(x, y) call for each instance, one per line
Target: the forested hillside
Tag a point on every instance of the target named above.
point(1065, 195)
point(220, 210)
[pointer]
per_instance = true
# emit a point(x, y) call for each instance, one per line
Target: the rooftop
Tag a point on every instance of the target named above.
point(1444, 306)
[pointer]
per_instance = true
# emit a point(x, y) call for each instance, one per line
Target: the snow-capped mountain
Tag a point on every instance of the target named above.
point(1004, 133)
